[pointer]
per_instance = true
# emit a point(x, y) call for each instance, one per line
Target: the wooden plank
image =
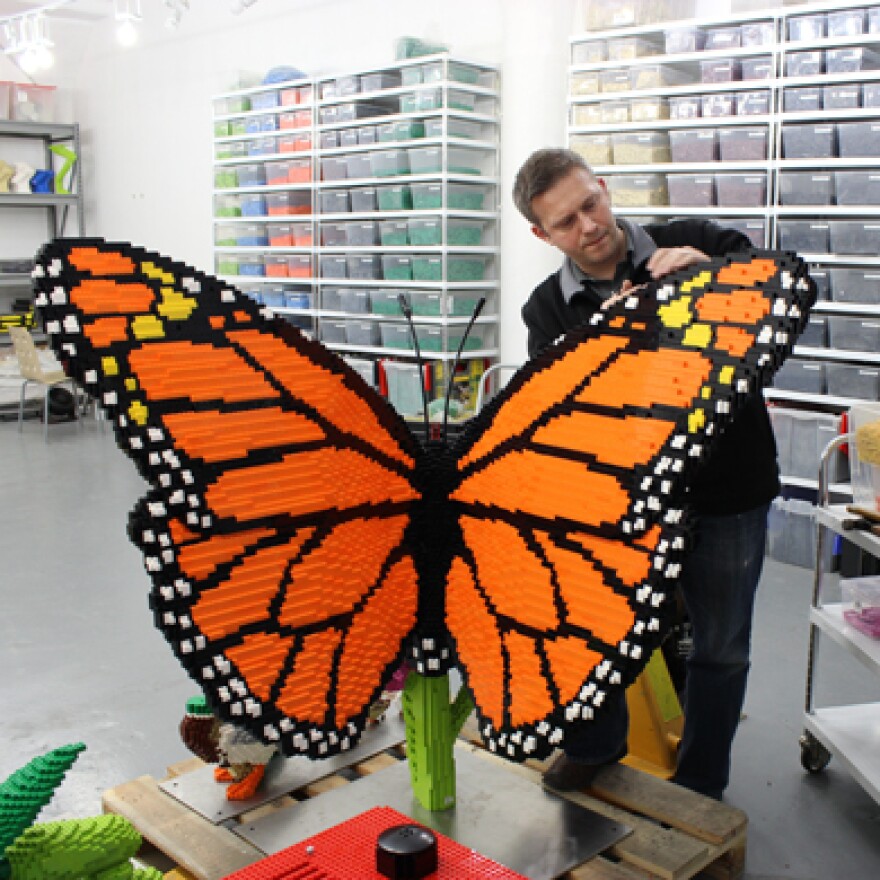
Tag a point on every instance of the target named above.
point(209, 852)
point(374, 764)
point(707, 819)
point(328, 783)
point(187, 765)
point(731, 865)
point(600, 868)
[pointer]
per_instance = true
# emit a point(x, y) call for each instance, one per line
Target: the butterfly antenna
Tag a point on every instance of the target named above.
point(457, 361)
point(407, 313)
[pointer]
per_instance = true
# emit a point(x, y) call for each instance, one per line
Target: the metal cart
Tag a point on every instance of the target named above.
point(850, 732)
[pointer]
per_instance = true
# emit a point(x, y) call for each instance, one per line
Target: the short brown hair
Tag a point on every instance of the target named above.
point(542, 170)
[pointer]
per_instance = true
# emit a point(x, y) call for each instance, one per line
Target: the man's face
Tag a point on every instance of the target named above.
point(575, 216)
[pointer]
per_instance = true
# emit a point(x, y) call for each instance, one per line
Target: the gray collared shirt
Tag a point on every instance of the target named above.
point(639, 246)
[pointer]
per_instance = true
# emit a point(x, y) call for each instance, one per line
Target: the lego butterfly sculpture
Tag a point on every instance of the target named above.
point(302, 543)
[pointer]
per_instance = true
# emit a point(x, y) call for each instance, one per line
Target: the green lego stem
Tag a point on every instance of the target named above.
point(432, 725)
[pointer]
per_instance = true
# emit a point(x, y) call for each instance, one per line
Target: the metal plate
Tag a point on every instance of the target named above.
point(497, 813)
point(201, 793)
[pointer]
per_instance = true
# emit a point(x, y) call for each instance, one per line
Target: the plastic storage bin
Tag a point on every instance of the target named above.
point(722, 104)
point(362, 233)
point(363, 199)
point(759, 67)
point(348, 137)
point(656, 76)
point(595, 149)
point(851, 59)
point(861, 596)
point(845, 23)
point(741, 190)
point(616, 80)
point(691, 190)
point(638, 190)
point(251, 175)
point(806, 99)
point(394, 198)
point(589, 52)
point(626, 48)
point(804, 236)
point(857, 187)
point(687, 107)
point(758, 33)
point(681, 40)
point(387, 302)
point(847, 380)
point(870, 94)
point(365, 368)
point(332, 331)
point(374, 82)
point(805, 376)
point(253, 205)
point(364, 333)
point(754, 230)
point(332, 266)
point(395, 336)
point(334, 201)
point(388, 163)
point(394, 233)
point(459, 196)
point(809, 141)
point(612, 112)
point(806, 27)
point(855, 285)
point(359, 165)
point(859, 139)
point(841, 97)
point(397, 267)
point(742, 144)
point(723, 37)
point(720, 70)
point(251, 235)
point(810, 63)
point(854, 334)
point(364, 267)
point(855, 237)
point(333, 234)
point(648, 109)
point(752, 103)
point(815, 334)
point(805, 188)
point(33, 103)
point(276, 267)
point(640, 148)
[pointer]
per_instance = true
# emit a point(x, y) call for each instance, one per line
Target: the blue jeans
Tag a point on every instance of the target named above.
point(718, 584)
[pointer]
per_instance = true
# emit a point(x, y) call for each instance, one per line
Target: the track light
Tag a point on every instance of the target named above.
point(26, 39)
point(127, 13)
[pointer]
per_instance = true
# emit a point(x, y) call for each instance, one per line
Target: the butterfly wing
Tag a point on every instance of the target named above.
point(569, 490)
point(281, 488)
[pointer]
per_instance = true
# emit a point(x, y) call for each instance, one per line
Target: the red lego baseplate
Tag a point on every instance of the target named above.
point(348, 852)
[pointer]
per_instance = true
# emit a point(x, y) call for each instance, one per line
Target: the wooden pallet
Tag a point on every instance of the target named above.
point(677, 835)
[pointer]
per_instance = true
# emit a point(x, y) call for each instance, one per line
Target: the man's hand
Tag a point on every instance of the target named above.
point(666, 260)
point(625, 289)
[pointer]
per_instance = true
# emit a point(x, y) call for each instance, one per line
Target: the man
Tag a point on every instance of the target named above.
point(569, 208)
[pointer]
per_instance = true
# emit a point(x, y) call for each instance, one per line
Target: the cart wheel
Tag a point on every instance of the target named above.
point(814, 756)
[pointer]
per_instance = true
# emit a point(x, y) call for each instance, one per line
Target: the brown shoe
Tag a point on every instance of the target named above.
point(566, 774)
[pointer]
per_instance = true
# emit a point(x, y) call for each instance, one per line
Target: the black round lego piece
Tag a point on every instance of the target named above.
point(406, 852)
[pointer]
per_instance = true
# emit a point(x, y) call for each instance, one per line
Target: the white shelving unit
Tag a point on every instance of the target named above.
point(336, 195)
point(779, 61)
point(850, 732)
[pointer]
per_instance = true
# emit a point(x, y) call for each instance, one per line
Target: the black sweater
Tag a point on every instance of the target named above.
point(741, 473)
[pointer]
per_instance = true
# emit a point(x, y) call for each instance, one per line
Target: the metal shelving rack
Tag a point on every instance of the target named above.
point(57, 207)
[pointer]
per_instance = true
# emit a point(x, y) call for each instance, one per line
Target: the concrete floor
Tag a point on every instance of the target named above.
point(83, 662)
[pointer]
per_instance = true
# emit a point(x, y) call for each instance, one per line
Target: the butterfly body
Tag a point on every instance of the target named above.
point(302, 544)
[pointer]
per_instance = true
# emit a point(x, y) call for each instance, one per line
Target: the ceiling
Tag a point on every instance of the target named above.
point(80, 10)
